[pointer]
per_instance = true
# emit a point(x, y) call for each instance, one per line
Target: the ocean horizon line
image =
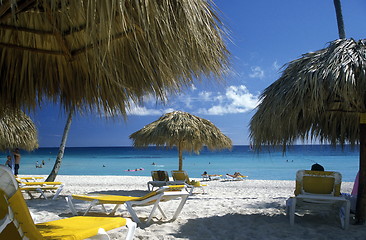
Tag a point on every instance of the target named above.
point(236, 145)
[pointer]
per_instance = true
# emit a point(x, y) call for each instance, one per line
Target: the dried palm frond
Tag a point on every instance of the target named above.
point(17, 130)
point(100, 54)
point(319, 96)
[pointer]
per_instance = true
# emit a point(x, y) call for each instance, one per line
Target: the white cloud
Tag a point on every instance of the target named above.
point(257, 72)
point(188, 101)
point(168, 110)
point(143, 111)
point(205, 96)
point(276, 66)
point(237, 99)
point(241, 97)
point(233, 100)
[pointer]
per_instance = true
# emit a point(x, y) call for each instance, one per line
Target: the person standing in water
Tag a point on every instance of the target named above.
point(17, 157)
point(8, 161)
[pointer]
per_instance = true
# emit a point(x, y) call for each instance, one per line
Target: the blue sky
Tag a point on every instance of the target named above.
point(265, 35)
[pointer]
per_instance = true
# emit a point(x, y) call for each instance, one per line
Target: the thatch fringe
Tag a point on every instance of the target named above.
point(91, 54)
point(319, 96)
point(17, 130)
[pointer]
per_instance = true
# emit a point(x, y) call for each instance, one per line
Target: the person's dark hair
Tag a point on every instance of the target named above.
point(317, 167)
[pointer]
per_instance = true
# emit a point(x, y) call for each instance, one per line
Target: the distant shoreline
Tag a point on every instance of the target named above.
point(239, 145)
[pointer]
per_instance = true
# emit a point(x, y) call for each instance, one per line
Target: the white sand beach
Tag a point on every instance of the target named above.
point(249, 209)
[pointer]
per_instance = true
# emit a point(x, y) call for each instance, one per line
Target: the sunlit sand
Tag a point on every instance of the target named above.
point(249, 209)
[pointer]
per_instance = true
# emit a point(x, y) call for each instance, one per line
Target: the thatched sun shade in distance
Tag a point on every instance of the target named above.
point(91, 54)
point(183, 130)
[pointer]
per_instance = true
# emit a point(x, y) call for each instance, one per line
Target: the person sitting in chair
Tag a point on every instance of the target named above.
point(317, 167)
point(235, 175)
point(205, 175)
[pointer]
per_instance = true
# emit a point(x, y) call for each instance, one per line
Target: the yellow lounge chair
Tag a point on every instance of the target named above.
point(163, 194)
point(161, 178)
point(40, 187)
point(318, 190)
point(183, 176)
point(17, 223)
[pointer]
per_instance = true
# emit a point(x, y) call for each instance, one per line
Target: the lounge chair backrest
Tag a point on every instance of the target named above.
point(160, 176)
point(161, 190)
point(318, 182)
point(8, 228)
point(22, 221)
point(180, 176)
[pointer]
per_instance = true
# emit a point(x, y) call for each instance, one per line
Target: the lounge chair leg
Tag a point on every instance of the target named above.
point(131, 229)
point(30, 195)
point(103, 207)
point(92, 204)
point(161, 211)
point(132, 213)
point(191, 191)
point(71, 205)
point(156, 205)
point(180, 207)
point(292, 207)
point(58, 192)
point(344, 214)
point(114, 209)
point(42, 193)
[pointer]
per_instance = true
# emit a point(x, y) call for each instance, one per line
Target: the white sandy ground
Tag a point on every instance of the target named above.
point(249, 209)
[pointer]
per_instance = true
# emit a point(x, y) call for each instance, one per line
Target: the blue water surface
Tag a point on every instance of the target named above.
point(266, 165)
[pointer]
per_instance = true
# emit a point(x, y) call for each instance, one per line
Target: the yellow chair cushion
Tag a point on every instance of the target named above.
point(78, 227)
point(318, 185)
point(318, 182)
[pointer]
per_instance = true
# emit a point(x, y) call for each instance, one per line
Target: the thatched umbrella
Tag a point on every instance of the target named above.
point(183, 130)
point(17, 130)
point(322, 96)
point(91, 54)
point(99, 55)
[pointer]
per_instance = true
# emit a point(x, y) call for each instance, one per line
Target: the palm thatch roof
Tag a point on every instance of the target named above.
point(184, 130)
point(17, 130)
point(100, 54)
point(319, 95)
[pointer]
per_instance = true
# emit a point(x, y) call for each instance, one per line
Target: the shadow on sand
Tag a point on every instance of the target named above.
point(260, 226)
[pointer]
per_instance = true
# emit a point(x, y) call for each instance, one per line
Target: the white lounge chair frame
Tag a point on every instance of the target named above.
point(188, 185)
point(156, 183)
point(238, 178)
point(42, 188)
point(314, 201)
point(161, 196)
point(210, 177)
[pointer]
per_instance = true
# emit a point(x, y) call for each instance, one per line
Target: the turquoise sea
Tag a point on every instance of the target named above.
point(266, 165)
